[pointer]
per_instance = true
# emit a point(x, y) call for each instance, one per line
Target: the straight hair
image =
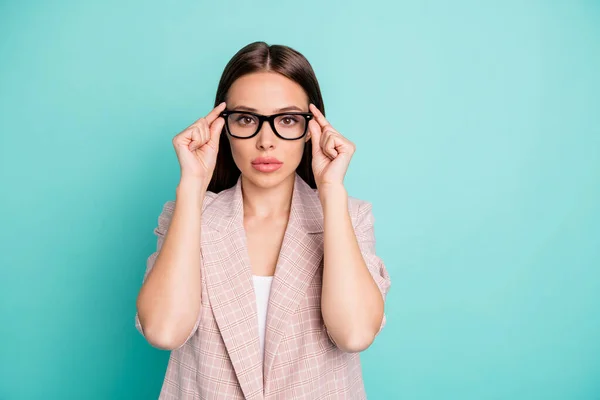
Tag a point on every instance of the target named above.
point(260, 57)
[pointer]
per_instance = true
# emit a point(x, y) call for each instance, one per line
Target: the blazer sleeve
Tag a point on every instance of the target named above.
point(164, 221)
point(365, 235)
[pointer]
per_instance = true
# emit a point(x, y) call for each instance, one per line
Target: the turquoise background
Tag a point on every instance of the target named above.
point(478, 141)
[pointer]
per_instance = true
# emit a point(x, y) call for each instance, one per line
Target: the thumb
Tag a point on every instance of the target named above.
point(315, 137)
point(215, 131)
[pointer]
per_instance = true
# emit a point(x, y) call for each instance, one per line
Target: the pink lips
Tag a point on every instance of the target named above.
point(266, 164)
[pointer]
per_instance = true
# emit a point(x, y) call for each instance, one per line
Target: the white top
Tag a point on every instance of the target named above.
point(262, 288)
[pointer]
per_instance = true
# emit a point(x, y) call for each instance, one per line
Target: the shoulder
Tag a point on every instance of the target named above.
point(169, 207)
point(359, 205)
point(359, 208)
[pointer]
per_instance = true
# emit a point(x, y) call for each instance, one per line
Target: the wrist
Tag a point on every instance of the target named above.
point(332, 192)
point(191, 186)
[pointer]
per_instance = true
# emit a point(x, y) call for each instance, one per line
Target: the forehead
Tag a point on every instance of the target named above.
point(266, 91)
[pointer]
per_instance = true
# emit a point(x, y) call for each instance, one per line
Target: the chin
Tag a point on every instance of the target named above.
point(266, 180)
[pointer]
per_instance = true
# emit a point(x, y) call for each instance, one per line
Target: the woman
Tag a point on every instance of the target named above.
point(265, 282)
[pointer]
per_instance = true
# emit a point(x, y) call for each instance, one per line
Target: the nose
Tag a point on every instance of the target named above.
point(266, 138)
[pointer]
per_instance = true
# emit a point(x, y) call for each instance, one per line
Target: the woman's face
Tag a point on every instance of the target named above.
point(266, 93)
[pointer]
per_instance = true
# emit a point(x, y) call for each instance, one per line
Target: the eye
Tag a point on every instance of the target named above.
point(289, 120)
point(244, 119)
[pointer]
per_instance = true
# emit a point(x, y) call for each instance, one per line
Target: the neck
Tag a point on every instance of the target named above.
point(267, 202)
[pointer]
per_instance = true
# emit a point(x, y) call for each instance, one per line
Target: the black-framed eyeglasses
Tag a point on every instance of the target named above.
point(246, 124)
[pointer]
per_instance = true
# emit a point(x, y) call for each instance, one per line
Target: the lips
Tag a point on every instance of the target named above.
point(266, 160)
point(266, 164)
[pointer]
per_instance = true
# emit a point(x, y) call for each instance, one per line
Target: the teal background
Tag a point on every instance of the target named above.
point(478, 141)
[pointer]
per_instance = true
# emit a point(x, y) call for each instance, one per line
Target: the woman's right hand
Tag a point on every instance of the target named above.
point(197, 146)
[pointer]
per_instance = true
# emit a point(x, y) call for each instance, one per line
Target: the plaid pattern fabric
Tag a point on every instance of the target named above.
point(221, 357)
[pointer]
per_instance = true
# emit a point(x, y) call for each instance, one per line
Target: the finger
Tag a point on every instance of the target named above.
point(215, 131)
point(195, 135)
point(214, 114)
point(319, 117)
point(324, 136)
point(329, 147)
point(205, 131)
point(315, 136)
point(327, 132)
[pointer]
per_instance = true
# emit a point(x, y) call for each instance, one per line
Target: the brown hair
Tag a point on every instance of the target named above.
point(260, 57)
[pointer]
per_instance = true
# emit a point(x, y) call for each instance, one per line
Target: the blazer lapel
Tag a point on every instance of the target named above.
point(228, 275)
point(230, 289)
point(300, 256)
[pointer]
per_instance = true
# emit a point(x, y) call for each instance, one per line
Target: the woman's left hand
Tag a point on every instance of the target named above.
point(331, 152)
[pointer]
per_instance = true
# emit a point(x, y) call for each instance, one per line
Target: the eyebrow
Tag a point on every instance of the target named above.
point(279, 110)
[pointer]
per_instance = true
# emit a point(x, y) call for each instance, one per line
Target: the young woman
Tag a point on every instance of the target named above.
point(265, 283)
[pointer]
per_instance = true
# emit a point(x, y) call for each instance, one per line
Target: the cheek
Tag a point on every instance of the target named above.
point(295, 151)
point(239, 149)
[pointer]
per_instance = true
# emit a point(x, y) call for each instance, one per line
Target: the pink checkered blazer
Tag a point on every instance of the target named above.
point(221, 357)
